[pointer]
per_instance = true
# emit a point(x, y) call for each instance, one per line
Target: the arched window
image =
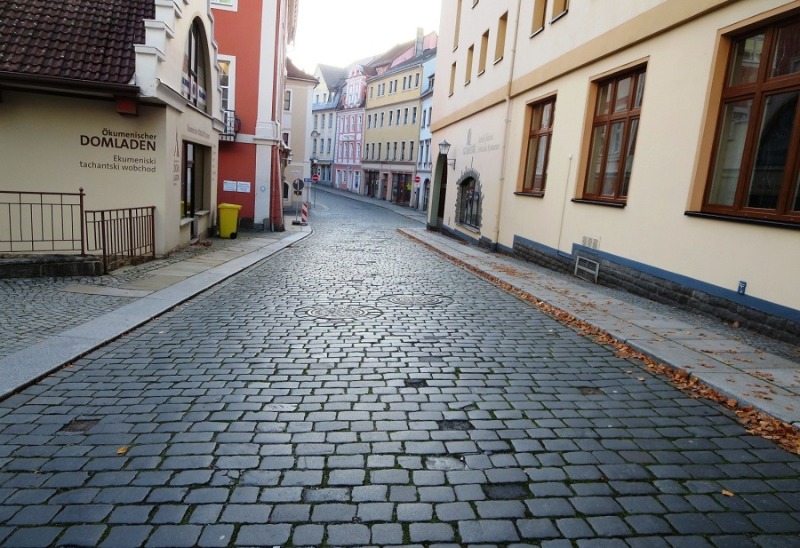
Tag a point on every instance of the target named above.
point(469, 203)
point(195, 67)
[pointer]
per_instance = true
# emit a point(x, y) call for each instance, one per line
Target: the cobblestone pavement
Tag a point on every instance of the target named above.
point(358, 390)
point(36, 308)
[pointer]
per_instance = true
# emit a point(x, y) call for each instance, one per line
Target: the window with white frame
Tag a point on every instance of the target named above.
point(227, 5)
point(227, 81)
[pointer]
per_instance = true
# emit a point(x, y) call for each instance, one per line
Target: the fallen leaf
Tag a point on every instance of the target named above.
point(122, 450)
point(727, 493)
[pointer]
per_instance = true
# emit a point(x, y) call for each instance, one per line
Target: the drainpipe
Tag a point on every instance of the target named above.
point(276, 194)
point(507, 130)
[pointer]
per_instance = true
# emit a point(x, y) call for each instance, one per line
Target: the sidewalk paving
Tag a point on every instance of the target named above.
point(751, 373)
point(145, 292)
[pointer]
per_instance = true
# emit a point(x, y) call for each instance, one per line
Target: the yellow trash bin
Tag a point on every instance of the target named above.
point(228, 220)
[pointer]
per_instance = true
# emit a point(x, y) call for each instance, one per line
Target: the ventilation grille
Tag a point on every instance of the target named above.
point(591, 242)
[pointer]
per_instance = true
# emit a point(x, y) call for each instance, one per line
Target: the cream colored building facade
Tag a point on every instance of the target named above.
point(152, 142)
point(297, 124)
point(614, 131)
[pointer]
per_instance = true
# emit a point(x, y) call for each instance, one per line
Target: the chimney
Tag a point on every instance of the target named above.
point(420, 40)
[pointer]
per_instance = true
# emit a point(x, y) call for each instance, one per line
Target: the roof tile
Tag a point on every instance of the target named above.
point(90, 40)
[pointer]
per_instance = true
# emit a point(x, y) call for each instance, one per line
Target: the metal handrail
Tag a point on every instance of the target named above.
point(35, 222)
point(122, 235)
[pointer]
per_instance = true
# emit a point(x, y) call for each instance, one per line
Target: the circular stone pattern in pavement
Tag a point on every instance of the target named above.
point(339, 312)
point(416, 300)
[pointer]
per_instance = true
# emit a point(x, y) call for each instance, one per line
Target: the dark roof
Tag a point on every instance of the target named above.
point(296, 74)
point(330, 74)
point(87, 40)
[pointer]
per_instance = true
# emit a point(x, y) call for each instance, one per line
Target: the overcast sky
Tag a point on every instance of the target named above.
point(342, 31)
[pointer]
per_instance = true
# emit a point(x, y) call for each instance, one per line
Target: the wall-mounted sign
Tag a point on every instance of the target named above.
point(124, 151)
point(236, 186)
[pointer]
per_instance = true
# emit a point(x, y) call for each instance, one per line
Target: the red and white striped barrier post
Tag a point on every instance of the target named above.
point(304, 214)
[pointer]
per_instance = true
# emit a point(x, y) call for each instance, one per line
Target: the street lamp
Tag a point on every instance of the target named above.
point(444, 149)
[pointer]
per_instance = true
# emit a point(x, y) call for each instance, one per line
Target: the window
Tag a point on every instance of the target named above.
point(394, 151)
point(314, 148)
point(458, 24)
point(468, 71)
point(228, 5)
point(226, 82)
point(285, 137)
point(405, 116)
point(414, 115)
point(416, 80)
point(539, 136)
point(195, 61)
point(560, 7)
point(403, 150)
point(500, 44)
point(452, 78)
point(537, 25)
point(756, 169)
point(614, 129)
point(411, 150)
point(391, 116)
point(287, 100)
point(330, 119)
point(483, 53)
point(329, 146)
point(469, 203)
point(315, 121)
point(382, 118)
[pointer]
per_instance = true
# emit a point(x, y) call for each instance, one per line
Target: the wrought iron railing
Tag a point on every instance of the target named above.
point(232, 125)
point(40, 222)
point(123, 236)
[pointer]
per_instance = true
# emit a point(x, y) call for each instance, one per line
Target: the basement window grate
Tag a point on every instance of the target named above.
point(586, 267)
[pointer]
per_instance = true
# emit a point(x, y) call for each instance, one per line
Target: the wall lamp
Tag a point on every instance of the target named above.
point(444, 149)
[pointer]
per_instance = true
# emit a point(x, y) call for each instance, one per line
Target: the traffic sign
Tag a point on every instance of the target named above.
point(298, 184)
point(417, 179)
point(315, 177)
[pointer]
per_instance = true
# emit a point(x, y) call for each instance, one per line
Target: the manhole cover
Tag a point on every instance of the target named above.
point(78, 425)
point(416, 300)
point(588, 390)
point(507, 491)
point(444, 463)
point(339, 312)
point(416, 383)
point(454, 425)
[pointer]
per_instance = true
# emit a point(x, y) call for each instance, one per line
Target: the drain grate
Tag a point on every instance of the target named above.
point(589, 390)
point(416, 300)
point(416, 383)
point(455, 425)
point(340, 312)
point(79, 425)
point(507, 491)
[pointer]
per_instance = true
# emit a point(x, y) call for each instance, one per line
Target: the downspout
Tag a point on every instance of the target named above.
point(275, 198)
point(507, 130)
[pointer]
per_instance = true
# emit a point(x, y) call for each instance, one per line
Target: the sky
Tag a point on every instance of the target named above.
point(338, 32)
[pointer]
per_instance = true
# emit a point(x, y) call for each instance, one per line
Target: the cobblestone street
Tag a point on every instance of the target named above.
point(356, 389)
